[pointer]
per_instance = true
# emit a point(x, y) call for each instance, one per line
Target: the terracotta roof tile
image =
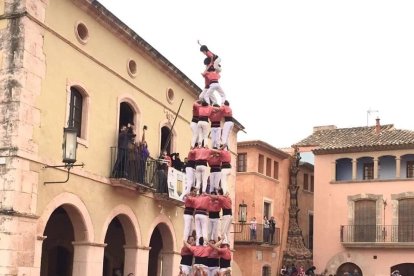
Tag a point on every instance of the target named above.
point(358, 137)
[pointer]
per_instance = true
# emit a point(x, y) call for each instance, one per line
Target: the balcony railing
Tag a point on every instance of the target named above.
point(128, 165)
point(380, 234)
point(244, 234)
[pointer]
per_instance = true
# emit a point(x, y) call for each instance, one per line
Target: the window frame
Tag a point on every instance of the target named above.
point(241, 162)
point(84, 129)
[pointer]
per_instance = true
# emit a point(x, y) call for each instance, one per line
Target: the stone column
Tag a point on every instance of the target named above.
point(136, 260)
point(88, 258)
point(376, 168)
point(397, 166)
point(170, 263)
point(333, 171)
point(354, 169)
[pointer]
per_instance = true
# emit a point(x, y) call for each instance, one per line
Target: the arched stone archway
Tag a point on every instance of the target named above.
point(66, 246)
point(161, 254)
point(121, 233)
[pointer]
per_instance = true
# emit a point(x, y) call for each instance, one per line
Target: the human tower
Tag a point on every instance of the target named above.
point(208, 253)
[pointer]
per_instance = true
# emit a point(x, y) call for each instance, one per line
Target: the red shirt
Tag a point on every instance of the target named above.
point(202, 153)
point(191, 155)
point(168, 159)
point(225, 201)
point(201, 251)
point(226, 110)
point(214, 254)
point(214, 206)
point(196, 106)
point(225, 253)
point(214, 160)
point(204, 111)
point(216, 115)
point(212, 76)
point(188, 202)
point(225, 156)
point(185, 251)
point(202, 202)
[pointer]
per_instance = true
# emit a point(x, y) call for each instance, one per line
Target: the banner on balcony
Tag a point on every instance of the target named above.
point(176, 184)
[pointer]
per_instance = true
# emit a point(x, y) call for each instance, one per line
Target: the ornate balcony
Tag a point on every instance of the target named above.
point(394, 236)
point(244, 235)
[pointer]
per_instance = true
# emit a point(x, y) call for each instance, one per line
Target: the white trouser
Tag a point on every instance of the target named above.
point(215, 86)
point(201, 175)
point(213, 228)
point(188, 226)
point(213, 271)
point(225, 227)
point(210, 99)
point(227, 127)
point(194, 131)
point(215, 137)
point(202, 128)
point(189, 177)
point(215, 178)
point(201, 225)
point(224, 175)
point(217, 65)
point(186, 269)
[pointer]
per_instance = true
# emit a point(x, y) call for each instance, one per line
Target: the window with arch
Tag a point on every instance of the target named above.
point(126, 114)
point(76, 110)
point(266, 271)
point(343, 169)
point(166, 140)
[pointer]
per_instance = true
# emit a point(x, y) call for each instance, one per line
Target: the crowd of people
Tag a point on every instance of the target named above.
point(292, 270)
point(268, 229)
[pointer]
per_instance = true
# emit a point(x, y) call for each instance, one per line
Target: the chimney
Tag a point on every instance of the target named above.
point(377, 126)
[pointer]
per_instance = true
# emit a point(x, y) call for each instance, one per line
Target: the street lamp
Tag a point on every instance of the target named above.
point(242, 212)
point(242, 216)
point(69, 146)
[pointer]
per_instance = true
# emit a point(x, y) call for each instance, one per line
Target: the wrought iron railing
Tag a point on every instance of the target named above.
point(377, 233)
point(129, 164)
point(246, 233)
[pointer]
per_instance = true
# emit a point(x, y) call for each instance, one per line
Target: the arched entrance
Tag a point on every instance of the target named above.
point(57, 248)
point(404, 268)
point(349, 269)
point(161, 254)
point(121, 241)
point(166, 139)
point(126, 114)
point(114, 255)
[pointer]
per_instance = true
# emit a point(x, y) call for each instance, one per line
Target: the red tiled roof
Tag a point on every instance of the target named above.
point(358, 139)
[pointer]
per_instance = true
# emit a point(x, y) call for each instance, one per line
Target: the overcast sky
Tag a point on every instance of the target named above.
point(291, 65)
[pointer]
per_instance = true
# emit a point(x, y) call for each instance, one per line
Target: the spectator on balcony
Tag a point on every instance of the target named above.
point(164, 162)
point(266, 229)
point(253, 229)
point(124, 138)
point(176, 161)
point(142, 161)
point(272, 230)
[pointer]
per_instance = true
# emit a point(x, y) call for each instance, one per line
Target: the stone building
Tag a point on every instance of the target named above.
point(72, 63)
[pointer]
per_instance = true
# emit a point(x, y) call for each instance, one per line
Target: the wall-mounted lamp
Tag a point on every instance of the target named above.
point(242, 216)
point(69, 147)
point(242, 212)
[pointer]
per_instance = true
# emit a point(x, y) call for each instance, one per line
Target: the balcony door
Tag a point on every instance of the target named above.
point(406, 220)
point(365, 221)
